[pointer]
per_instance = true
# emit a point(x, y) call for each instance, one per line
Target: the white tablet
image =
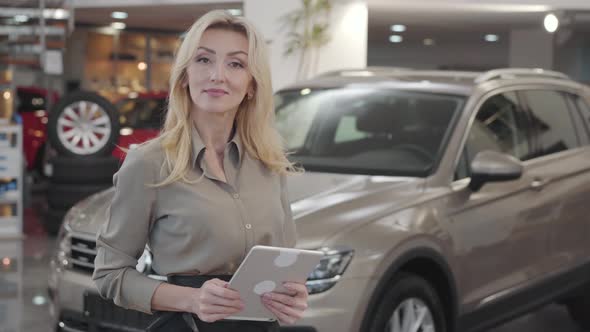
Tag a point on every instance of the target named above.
point(264, 270)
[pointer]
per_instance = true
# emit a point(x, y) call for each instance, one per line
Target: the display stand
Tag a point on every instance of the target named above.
point(11, 181)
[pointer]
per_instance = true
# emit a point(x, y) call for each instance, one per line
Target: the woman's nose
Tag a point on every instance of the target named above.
point(217, 73)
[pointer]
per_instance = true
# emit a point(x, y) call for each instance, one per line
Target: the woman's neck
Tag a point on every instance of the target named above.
point(214, 128)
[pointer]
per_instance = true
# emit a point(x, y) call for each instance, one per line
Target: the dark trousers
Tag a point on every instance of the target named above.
point(183, 322)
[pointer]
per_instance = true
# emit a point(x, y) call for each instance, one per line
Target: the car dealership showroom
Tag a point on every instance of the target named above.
point(379, 165)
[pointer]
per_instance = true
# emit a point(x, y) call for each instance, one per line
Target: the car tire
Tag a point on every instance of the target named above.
point(83, 124)
point(408, 292)
point(579, 310)
point(64, 196)
point(53, 220)
point(84, 171)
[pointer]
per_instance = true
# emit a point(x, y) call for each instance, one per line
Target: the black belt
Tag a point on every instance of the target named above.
point(164, 317)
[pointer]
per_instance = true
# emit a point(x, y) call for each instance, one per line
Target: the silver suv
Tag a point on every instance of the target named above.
point(444, 201)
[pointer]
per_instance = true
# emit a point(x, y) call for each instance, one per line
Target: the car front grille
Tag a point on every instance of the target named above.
point(82, 254)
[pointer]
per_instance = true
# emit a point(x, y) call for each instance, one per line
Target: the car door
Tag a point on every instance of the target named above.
point(562, 169)
point(501, 231)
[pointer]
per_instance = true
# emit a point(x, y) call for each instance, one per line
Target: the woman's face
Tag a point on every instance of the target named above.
point(218, 76)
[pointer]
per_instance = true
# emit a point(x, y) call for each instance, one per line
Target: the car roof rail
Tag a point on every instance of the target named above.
point(519, 72)
point(368, 71)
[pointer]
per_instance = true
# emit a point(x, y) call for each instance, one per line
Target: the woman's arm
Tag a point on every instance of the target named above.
point(122, 238)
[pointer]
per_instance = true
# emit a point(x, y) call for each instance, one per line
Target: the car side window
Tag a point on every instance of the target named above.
point(501, 126)
point(582, 118)
point(553, 129)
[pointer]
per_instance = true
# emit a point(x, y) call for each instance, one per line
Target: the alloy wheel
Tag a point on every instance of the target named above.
point(84, 127)
point(412, 315)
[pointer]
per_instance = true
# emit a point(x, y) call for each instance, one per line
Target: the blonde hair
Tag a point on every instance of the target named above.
point(254, 118)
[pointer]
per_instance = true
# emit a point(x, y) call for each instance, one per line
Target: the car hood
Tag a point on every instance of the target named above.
point(322, 203)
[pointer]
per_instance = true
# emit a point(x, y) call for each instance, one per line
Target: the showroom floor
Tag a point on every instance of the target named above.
point(32, 308)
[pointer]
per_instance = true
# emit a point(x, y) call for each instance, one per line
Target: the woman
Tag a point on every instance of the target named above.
point(210, 187)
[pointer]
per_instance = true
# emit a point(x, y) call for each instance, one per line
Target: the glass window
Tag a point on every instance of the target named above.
point(347, 130)
point(551, 120)
point(580, 113)
point(499, 126)
point(366, 130)
point(584, 112)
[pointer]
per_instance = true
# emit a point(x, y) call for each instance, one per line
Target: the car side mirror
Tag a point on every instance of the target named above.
point(492, 166)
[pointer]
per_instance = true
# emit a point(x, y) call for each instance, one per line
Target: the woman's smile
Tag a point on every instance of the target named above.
point(216, 92)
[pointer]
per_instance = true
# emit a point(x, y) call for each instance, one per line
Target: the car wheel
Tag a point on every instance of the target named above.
point(410, 304)
point(64, 196)
point(83, 124)
point(72, 170)
point(53, 219)
point(579, 310)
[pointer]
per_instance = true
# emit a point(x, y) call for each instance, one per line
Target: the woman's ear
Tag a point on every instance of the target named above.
point(251, 90)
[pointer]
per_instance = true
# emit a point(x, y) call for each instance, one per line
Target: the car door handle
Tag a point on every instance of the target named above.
point(538, 184)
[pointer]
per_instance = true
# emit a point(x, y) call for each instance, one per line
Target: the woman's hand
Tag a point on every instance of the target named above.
point(287, 308)
point(215, 301)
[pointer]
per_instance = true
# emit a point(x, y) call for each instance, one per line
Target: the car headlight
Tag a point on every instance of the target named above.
point(64, 245)
point(329, 270)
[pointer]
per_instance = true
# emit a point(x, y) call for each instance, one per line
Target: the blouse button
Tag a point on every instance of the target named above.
point(236, 195)
point(248, 226)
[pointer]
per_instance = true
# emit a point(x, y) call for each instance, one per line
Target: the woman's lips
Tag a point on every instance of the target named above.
point(215, 92)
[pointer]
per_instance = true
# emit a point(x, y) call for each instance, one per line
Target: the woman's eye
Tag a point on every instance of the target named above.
point(236, 65)
point(203, 60)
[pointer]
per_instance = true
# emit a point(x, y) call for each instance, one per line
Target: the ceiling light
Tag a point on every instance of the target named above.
point(118, 25)
point(398, 28)
point(39, 300)
point(119, 15)
point(396, 38)
point(551, 23)
point(428, 42)
point(235, 12)
point(491, 38)
point(21, 18)
point(141, 66)
point(305, 91)
point(60, 14)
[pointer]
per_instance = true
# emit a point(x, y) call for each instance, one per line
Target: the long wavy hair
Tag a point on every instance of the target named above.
point(254, 118)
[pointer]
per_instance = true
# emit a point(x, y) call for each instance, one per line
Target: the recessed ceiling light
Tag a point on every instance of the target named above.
point(551, 23)
point(21, 18)
point(491, 38)
point(305, 91)
point(235, 11)
point(118, 25)
point(60, 14)
point(119, 15)
point(398, 28)
point(428, 41)
point(396, 39)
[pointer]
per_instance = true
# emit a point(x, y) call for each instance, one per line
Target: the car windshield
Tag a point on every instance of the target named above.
point(366, 130)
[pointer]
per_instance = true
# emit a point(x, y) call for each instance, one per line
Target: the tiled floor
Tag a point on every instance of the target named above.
point(30, 312)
